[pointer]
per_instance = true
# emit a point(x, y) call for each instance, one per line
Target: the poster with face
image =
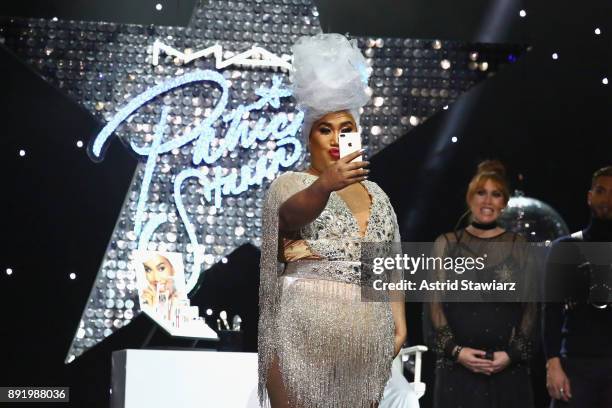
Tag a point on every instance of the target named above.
point(160, 278)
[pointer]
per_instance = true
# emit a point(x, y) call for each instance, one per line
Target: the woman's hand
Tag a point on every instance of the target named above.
point(473, 360)
point(343, 173)
point(148, 296)
point(501, 360)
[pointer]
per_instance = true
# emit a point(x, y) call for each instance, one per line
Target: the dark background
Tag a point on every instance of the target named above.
point(547, 120)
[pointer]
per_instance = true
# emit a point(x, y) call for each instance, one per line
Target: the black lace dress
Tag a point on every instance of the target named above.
point(483, 324)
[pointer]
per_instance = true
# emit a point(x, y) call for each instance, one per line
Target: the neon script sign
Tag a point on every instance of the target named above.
point(238, 134)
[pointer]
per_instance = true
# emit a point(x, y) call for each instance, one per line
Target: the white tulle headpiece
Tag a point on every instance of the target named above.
point(329, 74)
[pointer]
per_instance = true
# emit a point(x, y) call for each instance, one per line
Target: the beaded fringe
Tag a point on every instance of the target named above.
point(334, 350)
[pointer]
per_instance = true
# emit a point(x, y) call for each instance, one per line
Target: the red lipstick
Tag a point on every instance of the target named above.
point(334, 152)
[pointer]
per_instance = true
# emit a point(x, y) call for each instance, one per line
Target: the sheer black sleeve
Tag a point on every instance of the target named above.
point(524, 336)
point(437, 332)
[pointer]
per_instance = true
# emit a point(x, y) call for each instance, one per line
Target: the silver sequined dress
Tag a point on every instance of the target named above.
point(333, 349)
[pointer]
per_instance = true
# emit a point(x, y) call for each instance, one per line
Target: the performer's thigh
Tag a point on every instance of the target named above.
point(276, 389)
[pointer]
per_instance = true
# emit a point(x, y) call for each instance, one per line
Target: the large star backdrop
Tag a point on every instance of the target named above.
point(212, 121)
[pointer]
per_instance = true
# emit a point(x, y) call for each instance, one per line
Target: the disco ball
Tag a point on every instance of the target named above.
point(534, 219)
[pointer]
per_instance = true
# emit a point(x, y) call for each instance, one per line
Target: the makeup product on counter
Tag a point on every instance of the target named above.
point(223, 316)
point(236, 321)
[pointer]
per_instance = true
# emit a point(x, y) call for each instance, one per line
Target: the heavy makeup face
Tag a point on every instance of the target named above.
point(324, 134)
point(159, 270)
point(487, 202)
point(600, 198)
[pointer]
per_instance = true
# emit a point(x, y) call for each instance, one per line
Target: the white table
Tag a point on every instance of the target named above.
point(183, 378)
point(202, 378)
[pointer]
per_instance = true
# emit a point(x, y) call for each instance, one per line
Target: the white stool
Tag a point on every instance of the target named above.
point(399, 393)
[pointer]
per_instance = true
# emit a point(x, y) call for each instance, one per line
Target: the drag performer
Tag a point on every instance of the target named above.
point(483, 346)
point(578, 331)
point(320, 345)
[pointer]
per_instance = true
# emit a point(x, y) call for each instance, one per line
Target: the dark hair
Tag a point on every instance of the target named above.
point(603, 172)
point(492, 170)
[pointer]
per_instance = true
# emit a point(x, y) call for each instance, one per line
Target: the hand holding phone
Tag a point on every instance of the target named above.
point(349, 143)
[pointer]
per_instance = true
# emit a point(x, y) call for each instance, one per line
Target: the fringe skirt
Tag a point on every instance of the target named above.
point(334, 350)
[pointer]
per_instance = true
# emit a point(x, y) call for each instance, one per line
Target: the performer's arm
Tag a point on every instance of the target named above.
point(305, 206)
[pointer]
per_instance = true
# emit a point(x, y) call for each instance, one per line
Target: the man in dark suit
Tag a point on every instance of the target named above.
point(577, 328)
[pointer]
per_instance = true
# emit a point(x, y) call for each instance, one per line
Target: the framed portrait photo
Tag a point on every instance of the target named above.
point(160, 277)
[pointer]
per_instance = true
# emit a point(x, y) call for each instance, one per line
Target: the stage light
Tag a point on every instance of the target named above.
point(523, 13)
point(72, 276)
point(597, 31)
point(158, 7)
point(454, 139)
point(604, 81)
point(445, 107)
point(21, 153)
point(555, 56)
point(79, 143)
point(9, 271)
